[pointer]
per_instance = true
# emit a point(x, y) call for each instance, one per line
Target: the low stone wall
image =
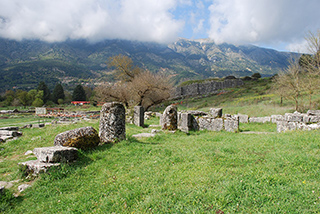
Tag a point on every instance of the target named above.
point(206, 88)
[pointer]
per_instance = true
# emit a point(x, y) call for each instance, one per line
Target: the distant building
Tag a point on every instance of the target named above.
point(80, 103)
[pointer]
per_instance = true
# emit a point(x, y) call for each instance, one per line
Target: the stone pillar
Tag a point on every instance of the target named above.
point(112, 128)
point(138, 116)
point(185, 122)
point(169, 120)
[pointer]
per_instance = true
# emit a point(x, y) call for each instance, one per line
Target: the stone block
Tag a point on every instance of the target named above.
point(210, 123)
point(216, 112)
point(294, 117)
point(185, 122)
point(169, 119)
point(40, 125)
point(243, 118)
point(35, 167)
point(10, 133)
point(231, 124)
point(313, 112)
point(112, 127)
point(259, 119)
point(11, 128)
point(81, 138)
point(276, 118)
point(138, 116)
point(56, 154)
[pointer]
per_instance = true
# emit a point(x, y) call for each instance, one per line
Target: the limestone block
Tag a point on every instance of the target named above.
point(10, 133)
point(216, 112)
point(40, 125)
point(169, 119)
point(35, 167)
point(81, 138)
point(138, 116)
point(112, 128)
point(293, 117)
point(185, 122)
point(11, 128)
point(259, 119)
point(313, 112)
point(231, 124)
point(276, 118)
point(210, 123)
point(243, 118)
point(56, 154)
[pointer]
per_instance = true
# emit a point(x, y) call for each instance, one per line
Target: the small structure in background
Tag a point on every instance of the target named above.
point(80, 103)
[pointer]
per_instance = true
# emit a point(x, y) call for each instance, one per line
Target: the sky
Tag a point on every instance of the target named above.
point(278, 24)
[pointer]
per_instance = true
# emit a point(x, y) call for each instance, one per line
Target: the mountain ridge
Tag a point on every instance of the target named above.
point(24, 64)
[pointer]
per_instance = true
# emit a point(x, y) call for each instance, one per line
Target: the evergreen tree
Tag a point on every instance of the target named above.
point(58, 93)
point(46, 92)
point(79, 94)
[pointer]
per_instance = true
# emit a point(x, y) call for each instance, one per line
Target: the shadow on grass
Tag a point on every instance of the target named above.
point(131, 139)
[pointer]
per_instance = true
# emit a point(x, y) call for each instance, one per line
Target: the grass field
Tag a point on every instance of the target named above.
point(199, 172)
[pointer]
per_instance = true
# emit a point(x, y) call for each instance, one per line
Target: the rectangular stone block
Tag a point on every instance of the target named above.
point(313, 112)
point(185, 122)
point(216, 112)
point(210, 123)
point(276, 118)
point(35, 167)
point(259, 119)
point(231, 124)
point(138, 116)
point(56, 154)
point(243, 118)
point(293, 117)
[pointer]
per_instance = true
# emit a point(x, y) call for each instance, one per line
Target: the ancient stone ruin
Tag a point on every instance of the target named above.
point(169, 119)
point(48, 157)
point(297, 121)
point(138, 116)
point(112, 126)
point(7, 133)
point(81, 138)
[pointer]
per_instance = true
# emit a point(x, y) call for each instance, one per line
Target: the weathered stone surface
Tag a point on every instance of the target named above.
point(23, 187)
point(276, 118)
point(112, 126)
point(185, 122)
point(81, 138)
point(11, 128)
point(141, 135)
point(210, 123)
point(40, 125)
point(294, 117)
point(313, 112)
point(10, 133)
point(197, 113)
point(56, 154)
point(35, 167)
point(1, 190)
point(216, 112)
point(283, 126)
point(138, 116)
point(231, 124)
point(243, 118)
point(169, 119)
point(259, 119)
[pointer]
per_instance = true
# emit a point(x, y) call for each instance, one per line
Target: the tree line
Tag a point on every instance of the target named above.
point(43, 96)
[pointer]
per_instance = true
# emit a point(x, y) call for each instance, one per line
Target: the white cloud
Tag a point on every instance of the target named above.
point(264, 21)
point(58, 20)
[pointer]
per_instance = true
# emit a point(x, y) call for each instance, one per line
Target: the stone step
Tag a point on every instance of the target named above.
point(34, 167)
point(56, 154)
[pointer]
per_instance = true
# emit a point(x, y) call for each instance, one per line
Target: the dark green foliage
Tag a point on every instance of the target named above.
point(256, 75)
point(79, 94)
point(46, 92)
point(58, 93)
point(6, 200)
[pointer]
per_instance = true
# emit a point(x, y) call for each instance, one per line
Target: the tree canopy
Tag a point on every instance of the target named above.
point(79, 94)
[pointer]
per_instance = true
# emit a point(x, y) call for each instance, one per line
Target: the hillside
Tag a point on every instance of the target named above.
point(24, 64)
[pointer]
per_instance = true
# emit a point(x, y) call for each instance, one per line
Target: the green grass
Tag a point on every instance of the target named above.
point(175, 173)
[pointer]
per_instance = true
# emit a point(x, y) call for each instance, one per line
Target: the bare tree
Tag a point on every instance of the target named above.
point(135, 86)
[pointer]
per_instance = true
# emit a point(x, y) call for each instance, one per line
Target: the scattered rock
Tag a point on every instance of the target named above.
point(23, 187)
point(29, 152)
point(81, 138)
point(141, 135)
point(34, 167)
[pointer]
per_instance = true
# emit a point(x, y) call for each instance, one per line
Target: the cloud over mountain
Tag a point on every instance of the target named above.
point(94, 20)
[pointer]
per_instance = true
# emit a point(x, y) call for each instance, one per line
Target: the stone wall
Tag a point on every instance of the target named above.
point(206, 88)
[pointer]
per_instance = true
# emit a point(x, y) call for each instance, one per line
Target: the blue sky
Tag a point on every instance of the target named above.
point(277, 24)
